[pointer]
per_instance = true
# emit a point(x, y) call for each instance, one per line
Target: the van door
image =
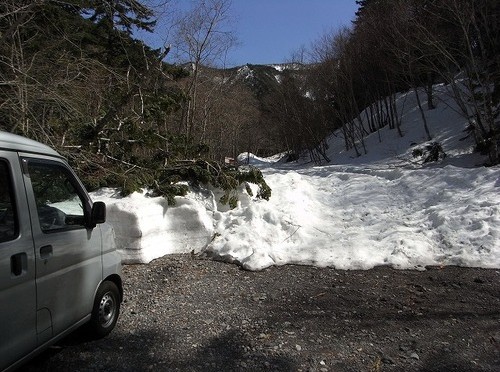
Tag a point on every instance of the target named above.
point(68, 255)
point(17, 265)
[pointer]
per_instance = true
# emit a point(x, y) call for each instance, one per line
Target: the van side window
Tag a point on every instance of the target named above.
point(58, 202)
point(8, 219)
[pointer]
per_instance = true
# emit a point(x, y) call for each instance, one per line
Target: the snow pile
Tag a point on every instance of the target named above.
point(382, 208)
point(147, 228)
point(353, 218)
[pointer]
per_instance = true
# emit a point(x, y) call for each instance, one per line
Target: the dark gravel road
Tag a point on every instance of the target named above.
point(187, 314)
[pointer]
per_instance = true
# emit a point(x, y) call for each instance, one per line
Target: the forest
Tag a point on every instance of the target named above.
point(73, 75)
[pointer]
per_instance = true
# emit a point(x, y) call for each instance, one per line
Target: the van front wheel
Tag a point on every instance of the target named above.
point(106, 309)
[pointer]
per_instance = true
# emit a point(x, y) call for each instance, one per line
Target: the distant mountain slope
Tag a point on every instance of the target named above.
point(262, 79)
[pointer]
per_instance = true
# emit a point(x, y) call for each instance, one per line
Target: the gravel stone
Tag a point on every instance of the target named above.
point(183, 313)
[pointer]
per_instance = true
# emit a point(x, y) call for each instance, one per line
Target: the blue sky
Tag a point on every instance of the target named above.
point(269, 31)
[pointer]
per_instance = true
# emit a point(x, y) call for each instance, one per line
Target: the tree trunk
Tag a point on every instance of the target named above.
point(422, 113)
point(429, 91)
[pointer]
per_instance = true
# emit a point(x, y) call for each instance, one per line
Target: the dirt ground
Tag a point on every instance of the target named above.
point(186, 314)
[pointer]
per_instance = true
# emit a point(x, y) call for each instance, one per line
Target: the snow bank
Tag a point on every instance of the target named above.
point(352, 218)
point(382, 208)
point(147, 228)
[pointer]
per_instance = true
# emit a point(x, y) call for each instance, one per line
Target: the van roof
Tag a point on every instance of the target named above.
point(14, 142)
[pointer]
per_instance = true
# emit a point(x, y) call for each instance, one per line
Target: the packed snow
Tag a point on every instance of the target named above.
point(381, 208)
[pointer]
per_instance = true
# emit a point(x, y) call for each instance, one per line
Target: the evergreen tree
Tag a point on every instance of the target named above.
point(109, 107)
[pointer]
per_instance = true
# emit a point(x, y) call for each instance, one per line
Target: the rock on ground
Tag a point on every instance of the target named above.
point(185, 314)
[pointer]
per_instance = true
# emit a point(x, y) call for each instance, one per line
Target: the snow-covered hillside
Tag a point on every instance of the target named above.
point(382, 208)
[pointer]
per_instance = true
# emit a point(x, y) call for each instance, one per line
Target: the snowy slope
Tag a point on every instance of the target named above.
point(382, 208)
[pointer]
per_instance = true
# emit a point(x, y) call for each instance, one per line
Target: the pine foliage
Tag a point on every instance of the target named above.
point(72, 76)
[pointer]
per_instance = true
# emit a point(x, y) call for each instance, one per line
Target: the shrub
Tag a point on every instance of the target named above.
point(431, 152)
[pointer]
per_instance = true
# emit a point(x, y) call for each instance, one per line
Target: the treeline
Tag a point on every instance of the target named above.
point(125, 115)
point(73, 76)
point(394, 46)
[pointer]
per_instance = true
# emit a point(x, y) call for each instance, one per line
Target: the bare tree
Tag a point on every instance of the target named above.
point(203, 39)
point(472, 51)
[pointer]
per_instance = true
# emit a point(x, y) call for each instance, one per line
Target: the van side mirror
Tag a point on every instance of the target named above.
point(98, 213)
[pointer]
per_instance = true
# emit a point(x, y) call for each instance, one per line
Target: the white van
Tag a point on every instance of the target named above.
point(59, 267)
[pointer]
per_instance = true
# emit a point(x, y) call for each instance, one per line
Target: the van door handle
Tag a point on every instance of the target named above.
point(18, 264)
point(46, 252)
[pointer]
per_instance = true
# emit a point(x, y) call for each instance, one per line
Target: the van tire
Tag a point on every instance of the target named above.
point(106, 310)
